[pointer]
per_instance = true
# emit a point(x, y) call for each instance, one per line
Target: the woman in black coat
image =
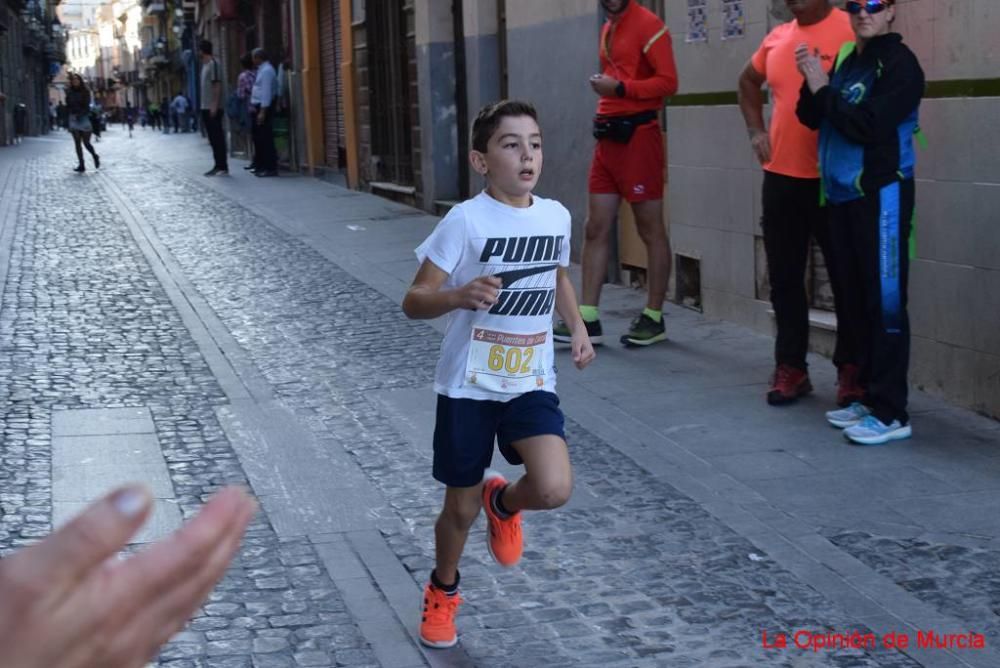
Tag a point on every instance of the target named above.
point(78, 107)
point(867, 112)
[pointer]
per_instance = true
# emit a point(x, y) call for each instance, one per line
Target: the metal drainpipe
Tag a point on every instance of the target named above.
point(461, 99)
point(502, 47)
point(194, 91)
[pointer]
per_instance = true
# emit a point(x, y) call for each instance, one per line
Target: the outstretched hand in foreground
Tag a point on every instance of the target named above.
point(70, 602)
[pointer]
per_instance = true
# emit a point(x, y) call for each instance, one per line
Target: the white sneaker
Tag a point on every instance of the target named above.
point(872, 431)
point(843, 418)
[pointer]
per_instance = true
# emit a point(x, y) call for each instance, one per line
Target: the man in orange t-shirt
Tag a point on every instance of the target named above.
point(792, 213)
point(637, 73)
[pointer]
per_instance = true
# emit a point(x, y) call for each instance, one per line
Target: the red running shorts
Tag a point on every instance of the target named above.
point(633, 170)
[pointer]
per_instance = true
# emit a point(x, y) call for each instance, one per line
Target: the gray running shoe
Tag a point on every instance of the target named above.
point(848, 417)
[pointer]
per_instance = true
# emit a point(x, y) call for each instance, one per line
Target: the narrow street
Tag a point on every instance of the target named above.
point(156, 325)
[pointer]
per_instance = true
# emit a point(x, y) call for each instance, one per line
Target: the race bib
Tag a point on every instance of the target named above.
point(506, 363)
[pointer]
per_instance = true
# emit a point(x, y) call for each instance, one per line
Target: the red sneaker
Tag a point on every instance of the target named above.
point(849, 389)
point(437, 624)
point(504, 539)
point(787, 385)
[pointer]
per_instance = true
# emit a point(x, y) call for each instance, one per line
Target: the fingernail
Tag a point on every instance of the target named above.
point(130, 502)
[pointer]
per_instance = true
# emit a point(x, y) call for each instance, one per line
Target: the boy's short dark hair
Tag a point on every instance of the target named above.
point(205, 47)
point(490, 117)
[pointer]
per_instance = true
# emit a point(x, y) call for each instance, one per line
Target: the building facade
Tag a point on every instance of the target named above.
point(32, 49)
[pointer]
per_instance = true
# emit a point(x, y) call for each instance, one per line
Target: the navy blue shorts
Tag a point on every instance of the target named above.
point(466, 428)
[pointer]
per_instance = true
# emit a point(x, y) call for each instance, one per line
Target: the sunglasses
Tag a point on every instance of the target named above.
point(870, 6)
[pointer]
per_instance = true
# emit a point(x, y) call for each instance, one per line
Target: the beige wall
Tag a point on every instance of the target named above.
point(955, 281)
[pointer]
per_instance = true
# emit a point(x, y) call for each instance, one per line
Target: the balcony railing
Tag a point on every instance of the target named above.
point(55, 49)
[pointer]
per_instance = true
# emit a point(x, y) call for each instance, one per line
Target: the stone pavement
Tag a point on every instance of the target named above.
point(248, 330)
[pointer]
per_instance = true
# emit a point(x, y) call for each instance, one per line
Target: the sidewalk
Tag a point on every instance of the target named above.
point(700, 516)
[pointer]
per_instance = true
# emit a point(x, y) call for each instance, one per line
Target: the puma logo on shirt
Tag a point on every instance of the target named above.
point(511, 277)
point(515, 250)
point(523, 301)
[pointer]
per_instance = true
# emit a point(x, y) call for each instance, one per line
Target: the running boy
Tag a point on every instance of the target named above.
point(497, 264)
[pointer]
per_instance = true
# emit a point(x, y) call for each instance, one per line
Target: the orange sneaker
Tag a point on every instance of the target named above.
point(504, 539)
point(437, 625)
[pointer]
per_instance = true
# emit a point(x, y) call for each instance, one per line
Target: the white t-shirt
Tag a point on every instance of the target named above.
point(525, 246)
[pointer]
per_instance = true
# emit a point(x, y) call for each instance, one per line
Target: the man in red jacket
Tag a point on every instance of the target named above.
point(637, 73)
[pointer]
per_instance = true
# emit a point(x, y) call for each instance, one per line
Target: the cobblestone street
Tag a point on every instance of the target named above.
point(258, 324)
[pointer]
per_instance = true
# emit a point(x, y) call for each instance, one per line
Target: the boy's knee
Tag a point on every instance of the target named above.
point(556, 493)
point(460, 516)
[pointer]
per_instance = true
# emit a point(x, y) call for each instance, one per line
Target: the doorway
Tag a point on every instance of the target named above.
point(389, 88)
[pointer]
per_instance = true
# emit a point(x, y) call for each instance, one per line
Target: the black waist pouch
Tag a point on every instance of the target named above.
point(620, 128)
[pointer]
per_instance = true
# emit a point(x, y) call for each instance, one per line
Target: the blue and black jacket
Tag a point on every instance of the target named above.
point(866, 118)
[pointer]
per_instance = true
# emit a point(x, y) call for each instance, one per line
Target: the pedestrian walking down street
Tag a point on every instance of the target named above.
point(80, 126)
point(262, 98)
point(166, 114)
point(129, 118)
point(178, 111)
point(866, 112)
point(97, 121)
point(792, 211)
point(211, 108)
point(637, 73)
point(246, 118)
point(496, 375)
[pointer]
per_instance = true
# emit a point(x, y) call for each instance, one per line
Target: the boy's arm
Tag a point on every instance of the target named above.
point(566, 305)
point(583, 350)
point(425, 300)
